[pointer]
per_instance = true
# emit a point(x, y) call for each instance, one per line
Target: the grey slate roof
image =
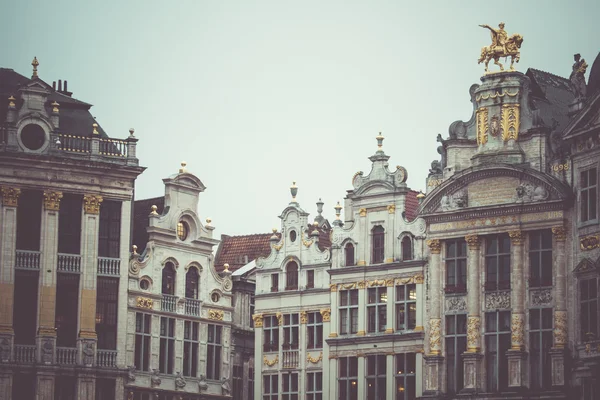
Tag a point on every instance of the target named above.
point(551, 95)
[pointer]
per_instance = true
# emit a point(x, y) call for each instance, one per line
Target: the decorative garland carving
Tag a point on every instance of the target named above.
point(52, 200)
point(541, 297)
point(279, 318)
point(560, 329)
point(590, 242)
point(362, 212)
point(217, 315)
point(391, 208)
point(416, 279)
point(473, 241)
point(482, 125)
point(473, 327)
point(456, 303)
point(258, 320)
point(495, 95)
point(91, 203)
point(510, 121)
point(270, 363)
point(278, 247)
point(303, 317)
point(497, 300)
point(517, 329)
point(306, 243)
point(435, 336)
point(10, 196)
point(144, 302)
point(314, 360)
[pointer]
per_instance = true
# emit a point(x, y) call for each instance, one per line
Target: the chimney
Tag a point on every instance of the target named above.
point(63, 90)
point(54, 85)
point(60, 85)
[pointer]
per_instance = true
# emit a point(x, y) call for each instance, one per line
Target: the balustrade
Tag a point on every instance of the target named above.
point(24, 353)
point(27, 259)
point(291, 358)
point(192, 307)
point(113, 147)
point(168, 303)
point(69, 262)
point(109, 266)
point(106, 358)
point(66, 355)
point(74, 144)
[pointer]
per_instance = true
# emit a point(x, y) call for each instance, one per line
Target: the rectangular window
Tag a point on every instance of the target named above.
point(250, 383)
point(167, 345)
point(456, 266)
point(348, 378)
point(310, 279)
point(69, 224)
point(29, 220)
point(274, 282)
point(314, 386)
point(378, 244)
point(497, 343)
point(190, 348)
point(142, 341)
point(64, 388)
point(588, 194)
point(377, 309)
point(214, 347)
point(540, 342)
point(109, 233)
point(105, 389)
point(376, 372)
point(456, 345)
point(314, 331)
point(271, 333)
point(107, 299)
point(290, 386)
point(497, 262)
point(348, 311)
point(24, 387)
point(406, 386)
point(67, 302)
point(540, 258)
point(25, 306)
point(291, 329)
point(406, 307)
point(589, 299)
point(270, 387)
point(238, 382)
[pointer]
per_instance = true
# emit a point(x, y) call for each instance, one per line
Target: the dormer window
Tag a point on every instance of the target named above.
point(378, 237)
point(191, 283)
point(183, 230)
point(406, 249)
point(292, 236)
point(291, 276)
point(168, 279)
point(349, 254)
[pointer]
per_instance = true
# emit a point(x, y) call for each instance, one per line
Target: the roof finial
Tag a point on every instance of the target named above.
point(338, 210)
point(379, 141)
point(182, 169)
point(95, 130)
point(35, 64)
point(294, 190)
point(320, 206)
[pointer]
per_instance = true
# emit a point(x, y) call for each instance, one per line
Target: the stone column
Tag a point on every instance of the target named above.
point(122, 312)
point(517, 367)
point(333, 314)
point(8, 246)
point(389, 311)
point(47, 296)
point(258, 354)
point(86, 385)
point(329, 380)
point(473, 371)
point(557, 354)
point(119, 388)
point(362, 251)
point(362, 311)
point(6, 385)
point(362, 372)
point(434, 359)
point(390, 385)
point(90, 228)
point(420, 304)
point(45, 385)
point(391, 253)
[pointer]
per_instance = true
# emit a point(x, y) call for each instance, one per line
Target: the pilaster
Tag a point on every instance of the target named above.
point(389, 311)
point(362, 372)
point(86, 386)
point(390, 236)
point(517, 300)
point(420, 306)
point(6, 385)
point(332, 326)
point(473, 293)
point(123, 282)
point(433, 375)
point(390, 385)
point(557, 354)
point(435, 321)
point(473, 372)
point(362, 251)
point(517, 369)
point(45, 385)
point(362, 314)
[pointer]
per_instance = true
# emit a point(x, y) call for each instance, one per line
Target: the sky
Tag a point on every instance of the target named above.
point(254, 95)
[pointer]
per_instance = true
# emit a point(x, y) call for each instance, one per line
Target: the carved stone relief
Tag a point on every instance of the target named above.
point(88, 350)
point(497, 300)
point(541, 297)
point(526, 192)
point(454, 201)
point(456, 304)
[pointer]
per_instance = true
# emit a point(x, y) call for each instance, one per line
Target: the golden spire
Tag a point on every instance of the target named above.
point(35, 64)
point(183, 169)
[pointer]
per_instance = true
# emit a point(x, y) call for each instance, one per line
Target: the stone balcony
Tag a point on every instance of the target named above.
point(27, 259)
point(28, 354)
point(69, 262)
point(108, 266)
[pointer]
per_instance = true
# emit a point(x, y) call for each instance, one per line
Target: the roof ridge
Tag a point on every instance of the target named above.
point(247, 235)
point(549, 73)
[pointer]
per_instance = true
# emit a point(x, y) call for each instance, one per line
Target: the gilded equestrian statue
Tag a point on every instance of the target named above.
point(502, 46)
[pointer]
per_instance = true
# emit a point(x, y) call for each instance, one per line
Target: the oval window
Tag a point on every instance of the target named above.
point(292, 236)
point(33, 136)
point(182, 230)
point(144, 284)
point(215, 297)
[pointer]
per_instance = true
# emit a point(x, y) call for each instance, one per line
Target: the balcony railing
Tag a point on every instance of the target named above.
point(113, 147)
point(192, 307)
point(27, 259)
point(109, 266)
point(106, 358)
point(74, 144)
point(69, 262)
point(25, 353)
point(291, 359)
point(168, 303)
point(66, 355)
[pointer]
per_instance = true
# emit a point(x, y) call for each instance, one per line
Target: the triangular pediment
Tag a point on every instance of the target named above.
point(473, 188)
point(586, 265)
point(587, 118)
point(36, 85)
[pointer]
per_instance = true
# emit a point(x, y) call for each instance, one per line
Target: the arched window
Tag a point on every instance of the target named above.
point(406, 248)
point(168, 279)
point(349, 253)
point(291, 276)
point(378, 244)
point(191, 283)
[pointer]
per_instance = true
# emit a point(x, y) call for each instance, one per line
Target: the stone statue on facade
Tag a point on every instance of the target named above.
point(202, 384)
point(88, 352)
point(131, 373)
point(225, 387)
point(155, 379)
point(47, 351)
point(578, 76)
point(436, 168)
point(179, 381)
point(502, 46)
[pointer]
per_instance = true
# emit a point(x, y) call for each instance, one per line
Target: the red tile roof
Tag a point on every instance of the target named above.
point(237, 251)
point(411, 204)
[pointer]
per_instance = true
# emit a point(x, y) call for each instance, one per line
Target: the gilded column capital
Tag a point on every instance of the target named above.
point(91, 203)
point(435, 246)
point(303, 317)
point(560, 329)
point(517, 331)
point(326, 313)
point(10, 196)
point(560, 233)
point(473, 241)
point(473, 334)
point(435, 336)
point(258, 320)
point(279, 318)
point(516, 237)
point(52, 200)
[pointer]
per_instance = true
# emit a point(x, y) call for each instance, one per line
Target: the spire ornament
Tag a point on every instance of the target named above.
point(35, 64)
point(502, 46)
point(294, 191)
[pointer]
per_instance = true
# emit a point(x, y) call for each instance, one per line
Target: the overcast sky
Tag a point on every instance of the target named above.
point(257, 94)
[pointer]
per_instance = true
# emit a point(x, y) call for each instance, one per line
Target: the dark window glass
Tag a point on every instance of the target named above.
point(349, 253)
point(142, 341)
point(29, 220)
point(376, 373)
point(168, 279)
point(271, 333)
point(497, 262)
point(588, 195)
point(540, 342)
point(107, 300)
point(497, 343)
point(378, 245)
point(540, 258)
point(406, 307)
point(109, 233)
point(377, 309)
point(291, 276)
point(191, 283)
point(25, 306)
point(456, 345)
point(167, 345)
point(348, 378)
point(314, 331)
point(310, 279)
point(190, 348)
point(405, 375)
point(24, 386)
point(270, 387)
point(69, 224)
point(406, 249)
point(291, 332)
point(348, 310)
point(105, 389)
point(274, 282)
point(589, 299)
point(456, 266)
point(290, 386)
point(67, 302)
point(64, 388)
point(214, 350)
point(314, 386)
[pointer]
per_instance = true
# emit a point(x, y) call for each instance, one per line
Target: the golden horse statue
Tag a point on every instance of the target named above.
point(502, 46)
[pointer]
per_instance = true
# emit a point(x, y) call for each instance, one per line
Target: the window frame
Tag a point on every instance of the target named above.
point(287, 382)
point(540, 275)
point(275, 282)
point(192, 289)
point(403, 247)
point(405, 376)
point(350, 326)
point(214, 350)
point(456, 339)
point(500, 381)
point(375, 378)
point(377, 309)
point(166, 363)
point(25, 306)
point(310, 279)
point(584, 191)
point(191, 334)
point(107, 312)
point(314, 385)
point(314, 330)
point(291, 332)
point(349, 249)
point(144, 338)
point(456, 266)
point(405, 303)
point(270, 334)
point(292, 270)
point(496, 258)
point(585, 322)
point(169, 279)
point(348, 381)
point(539, 361)
point(378, 244)
point(270, 387)
point(109, 231)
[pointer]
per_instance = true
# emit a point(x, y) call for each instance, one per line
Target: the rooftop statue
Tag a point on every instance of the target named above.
point(502, 46)
point(578, 76)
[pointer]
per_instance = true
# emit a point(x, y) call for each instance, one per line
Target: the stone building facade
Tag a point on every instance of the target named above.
point(505, 234)
point(65, 225)
point(179, 309)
